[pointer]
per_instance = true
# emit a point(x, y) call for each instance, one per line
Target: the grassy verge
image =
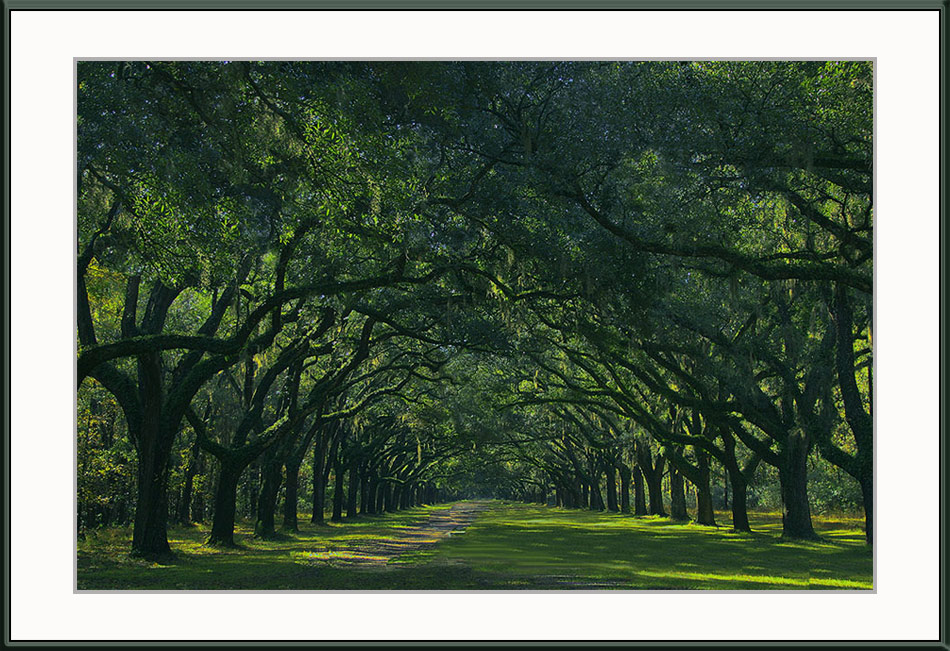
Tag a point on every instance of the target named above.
point(510, 546)
point(526, 546)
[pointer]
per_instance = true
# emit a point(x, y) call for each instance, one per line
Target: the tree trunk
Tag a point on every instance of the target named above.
point(319, 478)
point(639, 494)
point(184, 503)
point(253, 489)
point(725, 490)
point(267, 497)
point(654, 480)
point(793, 478)
point(154, 444)
point(677, 496)
point(389, 503)
point(596, 500)
point(225, 505)
point(740, 516)
point(867, 494)
point(612, 488)
point(292, 480)
point(705, 513)
point(364, 493)
point(370, 488)
point(624, 489)
point(352, 491)
point(150, 531)
point(338, 494)
point(381, 496)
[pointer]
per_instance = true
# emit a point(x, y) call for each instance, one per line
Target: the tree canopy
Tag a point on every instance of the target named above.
point(409, 281)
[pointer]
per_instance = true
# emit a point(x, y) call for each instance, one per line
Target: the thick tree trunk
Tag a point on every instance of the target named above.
point(739, 482)
point(624, 489)
point(150, 530)
point(705, 513)
point(370, 488)
point(225, 505)
point(612, 488)
point(654, 480)
point(596, 500)
point(654, 477)
point(292, 481)
point(677, 496)
point(793, 478)
point(267, 498)
point(154, 444)
point(740, 516)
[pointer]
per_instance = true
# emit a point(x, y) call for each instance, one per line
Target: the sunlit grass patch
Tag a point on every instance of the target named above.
point(657, 553)
point(509, 547)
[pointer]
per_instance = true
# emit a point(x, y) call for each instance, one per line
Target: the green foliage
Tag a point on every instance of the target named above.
point(482, 278)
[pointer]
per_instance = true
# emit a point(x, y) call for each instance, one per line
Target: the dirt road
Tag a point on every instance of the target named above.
point(439, 525)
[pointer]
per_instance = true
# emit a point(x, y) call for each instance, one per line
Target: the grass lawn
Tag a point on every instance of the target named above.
point(509, 547)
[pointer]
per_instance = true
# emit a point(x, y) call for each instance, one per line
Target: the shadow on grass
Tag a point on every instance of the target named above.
point(509, 547)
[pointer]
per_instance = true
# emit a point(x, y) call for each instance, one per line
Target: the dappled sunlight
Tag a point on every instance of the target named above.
point(508, 546)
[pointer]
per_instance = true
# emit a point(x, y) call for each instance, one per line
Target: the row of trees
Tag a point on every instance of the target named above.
point(476, 275)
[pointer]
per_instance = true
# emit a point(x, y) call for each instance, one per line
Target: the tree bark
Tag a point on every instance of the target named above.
point(187, 490)
point(793, 478)
point(867, 495)
point(352, 491)
point(677, 496)
point(319, 478)
point(639, 493)
point(292, 481)
point(154, 444)
point(705, 513)
point(225, 505)
point(267, 497)
point(740, 516)
point(624, 489)
point(596, 499)
point(337, 515)
point(612, 488)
